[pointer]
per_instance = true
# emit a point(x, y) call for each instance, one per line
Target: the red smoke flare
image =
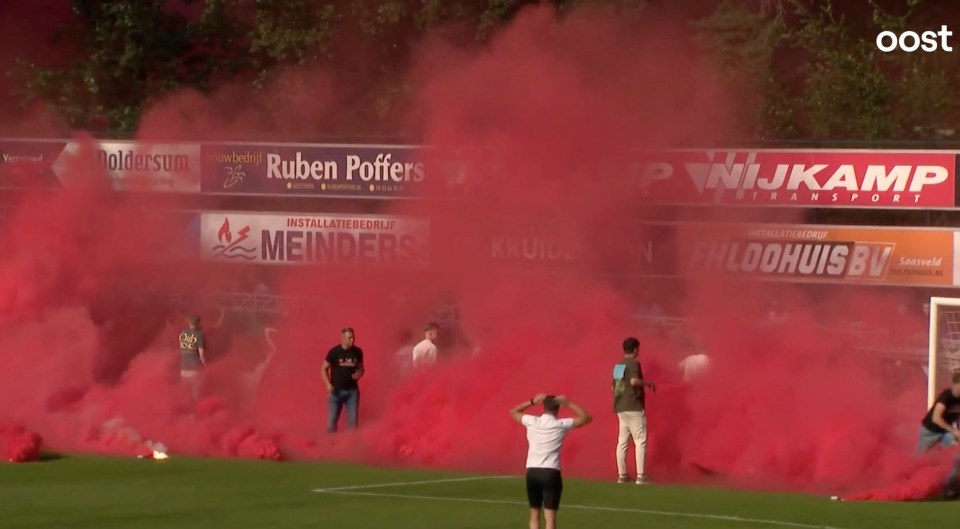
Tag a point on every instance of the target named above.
point(89, 347)
point(22, 446)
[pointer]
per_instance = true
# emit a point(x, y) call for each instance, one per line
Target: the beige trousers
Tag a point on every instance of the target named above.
point(633, 424)
point(190, 379)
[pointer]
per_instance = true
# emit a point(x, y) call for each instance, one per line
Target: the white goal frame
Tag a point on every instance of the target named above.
point(934, 342)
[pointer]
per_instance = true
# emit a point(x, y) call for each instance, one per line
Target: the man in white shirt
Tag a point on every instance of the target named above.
point(545, 435)
point(694, 365)
point(425, 352)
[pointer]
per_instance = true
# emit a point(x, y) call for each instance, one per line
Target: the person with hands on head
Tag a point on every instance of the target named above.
point(342, 369)
point(939, 424)
point(545, 436)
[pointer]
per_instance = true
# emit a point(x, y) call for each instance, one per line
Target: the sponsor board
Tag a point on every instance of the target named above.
point(378, 171)
point(914, 257)
point(267, 238)
point(138, 166)
point(187, 247)
point(762, 177)
point(646, 250)
point(792, 253)
point(129, 165)
point(28, 163)
point(803, 178)
point(828, 178)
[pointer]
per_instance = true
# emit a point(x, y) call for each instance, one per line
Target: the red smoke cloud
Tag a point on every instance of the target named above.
point(90, 361)
point(21, 445)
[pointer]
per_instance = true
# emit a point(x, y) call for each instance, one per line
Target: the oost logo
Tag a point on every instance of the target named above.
point(910, 41)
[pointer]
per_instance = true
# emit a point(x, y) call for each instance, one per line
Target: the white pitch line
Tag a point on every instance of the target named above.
point(410, 483)
point(740, 519)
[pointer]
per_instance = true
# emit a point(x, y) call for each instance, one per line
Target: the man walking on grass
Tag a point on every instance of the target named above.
point(342, 369)
point(545, 435)
point(629, 403)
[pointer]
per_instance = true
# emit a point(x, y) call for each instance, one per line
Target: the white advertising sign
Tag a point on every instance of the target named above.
point(274, 238)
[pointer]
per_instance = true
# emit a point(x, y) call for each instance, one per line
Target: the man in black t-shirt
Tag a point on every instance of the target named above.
point(939, 424)
point(342, 368)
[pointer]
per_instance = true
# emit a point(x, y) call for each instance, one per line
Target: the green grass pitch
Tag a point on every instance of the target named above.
point(183, 493)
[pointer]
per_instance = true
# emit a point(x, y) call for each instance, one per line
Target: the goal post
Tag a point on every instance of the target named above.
point(944, 344)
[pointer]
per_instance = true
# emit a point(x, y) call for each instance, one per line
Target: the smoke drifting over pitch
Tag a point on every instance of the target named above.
point(88, 361)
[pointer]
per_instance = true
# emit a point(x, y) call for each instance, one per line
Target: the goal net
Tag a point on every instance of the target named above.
point(944, 342)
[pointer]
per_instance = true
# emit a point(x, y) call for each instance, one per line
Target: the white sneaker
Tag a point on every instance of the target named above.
point(642, 481)
point(623, 479)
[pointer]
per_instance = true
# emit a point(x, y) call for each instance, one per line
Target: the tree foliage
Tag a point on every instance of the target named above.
point(132, 51)
point(798, 69)
point(818, 75)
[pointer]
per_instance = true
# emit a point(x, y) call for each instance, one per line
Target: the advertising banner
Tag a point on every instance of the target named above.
point(364, 171)
point(545, 246)
point(765, 177)
point(187, 247)
point(28, 163)
point(827, 178)
point(793, 253)
point(129, 165)
point(799, 178)
point(859, 255)
point(268, 238)
point(141, 166)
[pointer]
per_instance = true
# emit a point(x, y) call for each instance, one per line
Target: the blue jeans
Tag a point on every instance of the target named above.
point(927, 439)
point(338, 399)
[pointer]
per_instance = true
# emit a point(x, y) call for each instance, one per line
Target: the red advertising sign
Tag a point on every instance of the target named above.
point(803, 178)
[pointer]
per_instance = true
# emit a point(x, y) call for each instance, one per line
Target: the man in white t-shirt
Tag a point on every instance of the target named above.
point(694, 365)
point(545, 435)
point(425, 352)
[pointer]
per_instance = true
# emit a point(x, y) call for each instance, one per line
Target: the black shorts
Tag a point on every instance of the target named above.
point(544, 487)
